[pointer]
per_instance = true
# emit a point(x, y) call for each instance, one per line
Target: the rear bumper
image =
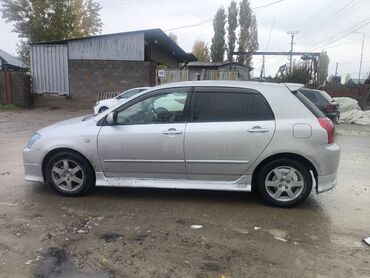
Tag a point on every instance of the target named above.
point(325, 183)
point(334, 116)
point(325, 159)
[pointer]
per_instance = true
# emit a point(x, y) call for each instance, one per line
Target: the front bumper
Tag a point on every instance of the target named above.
point(32, 162)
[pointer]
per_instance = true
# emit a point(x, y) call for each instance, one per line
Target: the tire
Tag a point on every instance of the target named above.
point(102, 109)
point(284, 183)
point(77, 180)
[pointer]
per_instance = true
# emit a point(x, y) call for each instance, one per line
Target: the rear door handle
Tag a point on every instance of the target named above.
point(258, 129)
point(172, 131)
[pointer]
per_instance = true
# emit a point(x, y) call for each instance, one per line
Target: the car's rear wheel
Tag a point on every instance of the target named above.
point(102, 109)
point(70, 174)
point(284, 183)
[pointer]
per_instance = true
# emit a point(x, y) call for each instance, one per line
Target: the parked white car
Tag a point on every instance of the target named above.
point(105, 104)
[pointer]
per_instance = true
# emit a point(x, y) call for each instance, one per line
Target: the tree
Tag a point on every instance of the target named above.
point(300, 73)
point(253, 40)
point(48, 20)
point(218, 46)
point(232, 19)
point(323, 67)
point(201, 51)
point(173, 37)
point(248, 35)
point(245, 19)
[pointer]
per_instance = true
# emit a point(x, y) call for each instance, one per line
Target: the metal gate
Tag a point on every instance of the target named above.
point(49, 64)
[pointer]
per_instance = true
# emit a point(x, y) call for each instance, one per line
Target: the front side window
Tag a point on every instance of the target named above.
point(223, 105)
point(164, 108)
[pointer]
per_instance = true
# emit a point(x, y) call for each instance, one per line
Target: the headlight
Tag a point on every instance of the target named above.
point(33, 139)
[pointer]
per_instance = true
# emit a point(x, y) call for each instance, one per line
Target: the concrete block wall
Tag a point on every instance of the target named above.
point(88, 78)
point(21, 89)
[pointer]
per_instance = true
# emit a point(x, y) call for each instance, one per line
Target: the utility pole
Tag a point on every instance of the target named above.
point(336, 70)
point(262, 75)
point(292, 33)
point(362, 54)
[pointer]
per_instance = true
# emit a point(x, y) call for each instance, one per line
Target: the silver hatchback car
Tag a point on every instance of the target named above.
point(214, 135)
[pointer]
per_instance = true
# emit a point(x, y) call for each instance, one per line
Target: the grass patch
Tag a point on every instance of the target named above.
point(7, 106)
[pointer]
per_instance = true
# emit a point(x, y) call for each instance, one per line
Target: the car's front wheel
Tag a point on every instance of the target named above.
point(284, 183)
point(70, 174)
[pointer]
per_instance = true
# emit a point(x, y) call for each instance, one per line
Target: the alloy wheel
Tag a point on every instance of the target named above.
point(284, 183)
point(67, 175)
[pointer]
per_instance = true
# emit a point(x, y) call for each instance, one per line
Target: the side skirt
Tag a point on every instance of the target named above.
point(242, 184)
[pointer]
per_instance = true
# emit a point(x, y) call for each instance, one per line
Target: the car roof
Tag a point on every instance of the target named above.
point(226, 83)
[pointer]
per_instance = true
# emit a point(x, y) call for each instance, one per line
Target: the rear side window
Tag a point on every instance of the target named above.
point(326, 96)
point(310, 95)
point(228, 105)
point(310, 106)
point(315, 96)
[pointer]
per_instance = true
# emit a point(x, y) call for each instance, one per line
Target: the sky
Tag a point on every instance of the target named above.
point(335, 26)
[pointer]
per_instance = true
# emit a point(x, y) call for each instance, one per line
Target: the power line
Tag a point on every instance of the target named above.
point(189, 26)
point(259, 8)
point(267, 5)
point(345, 43)
point(272, 27)
point(329, 41)
point(326, 21)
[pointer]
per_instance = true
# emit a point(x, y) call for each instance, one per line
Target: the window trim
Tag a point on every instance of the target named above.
point(187, 89)
point(199, 89)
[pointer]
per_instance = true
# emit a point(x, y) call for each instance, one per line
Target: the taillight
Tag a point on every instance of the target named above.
point(329, 107)
point(329, 127)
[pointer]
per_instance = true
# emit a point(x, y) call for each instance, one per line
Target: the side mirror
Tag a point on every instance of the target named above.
point(112, 118)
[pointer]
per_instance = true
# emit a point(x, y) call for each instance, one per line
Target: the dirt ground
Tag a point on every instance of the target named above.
point(147, 233)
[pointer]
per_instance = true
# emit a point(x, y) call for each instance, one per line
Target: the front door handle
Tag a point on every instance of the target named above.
point(258, 129)
point(172, 131)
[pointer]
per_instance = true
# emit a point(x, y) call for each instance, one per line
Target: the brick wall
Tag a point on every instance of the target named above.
point(88, 78)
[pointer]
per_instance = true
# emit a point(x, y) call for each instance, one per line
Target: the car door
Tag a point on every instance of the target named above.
point(227, 129)
point(148, 137)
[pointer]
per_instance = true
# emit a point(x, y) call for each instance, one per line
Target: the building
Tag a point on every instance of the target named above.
point(355, 81)
point(9, 62)
point(80, 69)
point(205, 70)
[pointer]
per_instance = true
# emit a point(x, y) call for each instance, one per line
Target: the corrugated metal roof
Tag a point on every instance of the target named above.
point(11, 60)
point(152, 36)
